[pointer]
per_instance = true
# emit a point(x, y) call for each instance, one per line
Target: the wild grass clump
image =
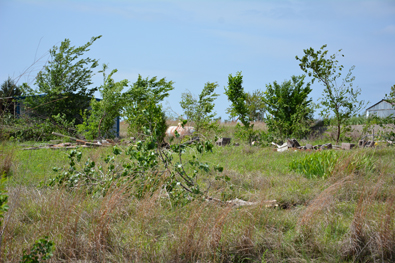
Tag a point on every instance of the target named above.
point(324, 163)
point(318, 164)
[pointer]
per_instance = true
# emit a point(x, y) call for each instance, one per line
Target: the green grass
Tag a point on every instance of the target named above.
point(345, 217)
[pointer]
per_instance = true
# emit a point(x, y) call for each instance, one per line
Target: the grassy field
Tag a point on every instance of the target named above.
point(346, 216)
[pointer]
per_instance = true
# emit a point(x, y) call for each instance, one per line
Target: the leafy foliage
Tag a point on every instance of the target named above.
point(289, 106)
point(99, 120)
point(321, 164)
point(237, 96)
point(150, 168)
point(27, 128)
point(65, 81)
point(95, 180)
point(391, 96)
point(200, 110)
point(143, 108)
point(42, 250)
point(342, 100)
point(10, 89)
point(255, 104)
point(3, 198)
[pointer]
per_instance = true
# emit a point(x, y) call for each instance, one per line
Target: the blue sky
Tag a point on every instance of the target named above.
point(193, 42)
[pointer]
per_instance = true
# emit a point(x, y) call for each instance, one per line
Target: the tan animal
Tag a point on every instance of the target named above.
point(187, 130)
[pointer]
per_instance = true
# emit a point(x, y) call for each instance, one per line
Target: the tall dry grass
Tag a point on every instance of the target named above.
point(7, 158)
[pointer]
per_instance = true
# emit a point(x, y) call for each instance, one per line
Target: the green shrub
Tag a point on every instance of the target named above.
point(41, 251)
point(318, 164)
point(3, 199)
point(324, 163)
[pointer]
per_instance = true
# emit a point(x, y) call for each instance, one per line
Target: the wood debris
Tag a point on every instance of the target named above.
point(77, 143)
point(239, 202)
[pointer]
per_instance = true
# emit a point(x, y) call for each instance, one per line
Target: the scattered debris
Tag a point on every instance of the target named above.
point(238, 202)
point(364, 143)
point(293, 143)
point(223, 141)
point(183, 131)
point(78, 143)
point(348, 146)
point(65, 136)
point(326, 146)
point(281, 148)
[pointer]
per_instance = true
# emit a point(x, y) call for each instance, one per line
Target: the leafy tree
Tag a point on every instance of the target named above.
point(99, 120)
point(289, 106)
point(339, 97)
point(391, 96)
point(237, 96)
point(9, 89)
point(65, 81)
point(143, 108)
point(200, 110)
point(255, 104)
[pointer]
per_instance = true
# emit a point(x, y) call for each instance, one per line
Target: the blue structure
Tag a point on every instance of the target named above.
point(381, 109)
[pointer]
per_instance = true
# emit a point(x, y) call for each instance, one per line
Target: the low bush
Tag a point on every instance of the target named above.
point(318, 164)
point(322, 164)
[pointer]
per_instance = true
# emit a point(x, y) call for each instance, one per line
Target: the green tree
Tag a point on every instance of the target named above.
point(99, 120)
point(255, 104)
point(391, 96)
point(143, 108)
point(65, 81)
point(237, 96)
point(339, 96)
point(10, 89)
point(289, 106)
point(200, 110)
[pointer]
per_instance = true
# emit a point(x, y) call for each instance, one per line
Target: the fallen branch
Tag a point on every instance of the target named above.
point(65, 136)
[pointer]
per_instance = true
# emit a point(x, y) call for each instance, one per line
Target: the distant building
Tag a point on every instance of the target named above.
point(381, 109)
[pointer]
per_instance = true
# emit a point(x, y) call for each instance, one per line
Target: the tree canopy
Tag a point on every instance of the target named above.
point(289, 106)
point(339, 96)
point(143, 107)
point(64, 84)
point(200, 110)
point(255, 105)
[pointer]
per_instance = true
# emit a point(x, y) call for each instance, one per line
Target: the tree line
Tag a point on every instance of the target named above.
point(63, 98)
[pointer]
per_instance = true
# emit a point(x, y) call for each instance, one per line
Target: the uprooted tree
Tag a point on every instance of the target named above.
point(289, 107)
point(339, 96)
